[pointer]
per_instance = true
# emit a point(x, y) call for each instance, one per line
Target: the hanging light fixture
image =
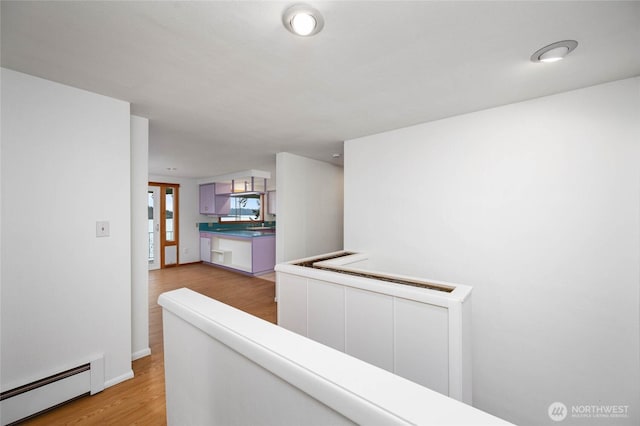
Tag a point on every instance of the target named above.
point(303, 20)
point(554, 52)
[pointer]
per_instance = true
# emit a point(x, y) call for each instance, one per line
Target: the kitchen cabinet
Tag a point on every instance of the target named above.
point(263, 254)
point(205, 247)
point(271, 202)
point(207, 198)
point(231, 252)
point(222, 204)
point(214, 199)
point(223, 188)
point(244, 251)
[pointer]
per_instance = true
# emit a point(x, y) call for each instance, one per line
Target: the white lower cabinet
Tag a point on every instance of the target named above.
point(205, 248)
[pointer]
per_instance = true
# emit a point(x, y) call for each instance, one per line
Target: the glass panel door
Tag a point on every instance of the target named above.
point(169, 224)
point(153, 214)
point(169, 214)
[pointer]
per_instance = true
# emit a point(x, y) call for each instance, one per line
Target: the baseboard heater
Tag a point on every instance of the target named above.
point(29, 400)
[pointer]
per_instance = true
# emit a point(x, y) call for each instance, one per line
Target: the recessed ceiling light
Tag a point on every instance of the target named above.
point(336, 155)
point(302, 20)
point(555, 51)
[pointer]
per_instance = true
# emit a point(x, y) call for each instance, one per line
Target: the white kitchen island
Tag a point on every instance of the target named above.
point(418, 329)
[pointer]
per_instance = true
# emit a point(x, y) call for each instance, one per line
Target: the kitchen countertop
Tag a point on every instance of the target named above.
point(242, 233)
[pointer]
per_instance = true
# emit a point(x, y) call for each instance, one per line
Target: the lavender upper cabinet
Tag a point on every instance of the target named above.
point(207, 198)
point(271, 202)
point(214, 199)
point(222, 199)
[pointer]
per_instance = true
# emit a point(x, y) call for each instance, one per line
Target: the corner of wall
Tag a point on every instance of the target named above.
point(139, 242)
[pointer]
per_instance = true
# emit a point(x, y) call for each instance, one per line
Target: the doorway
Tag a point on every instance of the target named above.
point(153, 202)
point(163, 225)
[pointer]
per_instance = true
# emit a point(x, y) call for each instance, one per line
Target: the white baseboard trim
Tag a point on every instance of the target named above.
point(140, 354)
point(119, 379)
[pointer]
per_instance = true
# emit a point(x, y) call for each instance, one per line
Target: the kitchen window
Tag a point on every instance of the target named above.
point(246, 208)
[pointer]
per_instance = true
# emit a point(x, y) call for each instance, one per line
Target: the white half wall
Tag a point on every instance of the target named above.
point(537, 206)
point(139, 238)
point(310, 207)
point(66, 294)
point(189, 216)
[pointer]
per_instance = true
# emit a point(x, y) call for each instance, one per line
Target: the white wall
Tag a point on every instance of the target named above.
point(139, 238)
point(66, 294)
point(189, 216)
point(271, 186)
point(537, 206)
point(310, 207)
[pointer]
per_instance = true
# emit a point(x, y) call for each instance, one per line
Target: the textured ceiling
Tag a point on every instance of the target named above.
point(226, 87)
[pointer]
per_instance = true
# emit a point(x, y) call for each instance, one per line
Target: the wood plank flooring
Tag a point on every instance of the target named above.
point(141, 400)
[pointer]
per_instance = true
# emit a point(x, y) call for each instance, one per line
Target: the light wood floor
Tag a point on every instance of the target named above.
point(141, 400)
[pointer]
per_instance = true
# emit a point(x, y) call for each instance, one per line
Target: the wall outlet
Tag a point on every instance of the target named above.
point(102, 228)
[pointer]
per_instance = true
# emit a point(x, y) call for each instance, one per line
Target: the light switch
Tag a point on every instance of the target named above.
point(102, 229)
